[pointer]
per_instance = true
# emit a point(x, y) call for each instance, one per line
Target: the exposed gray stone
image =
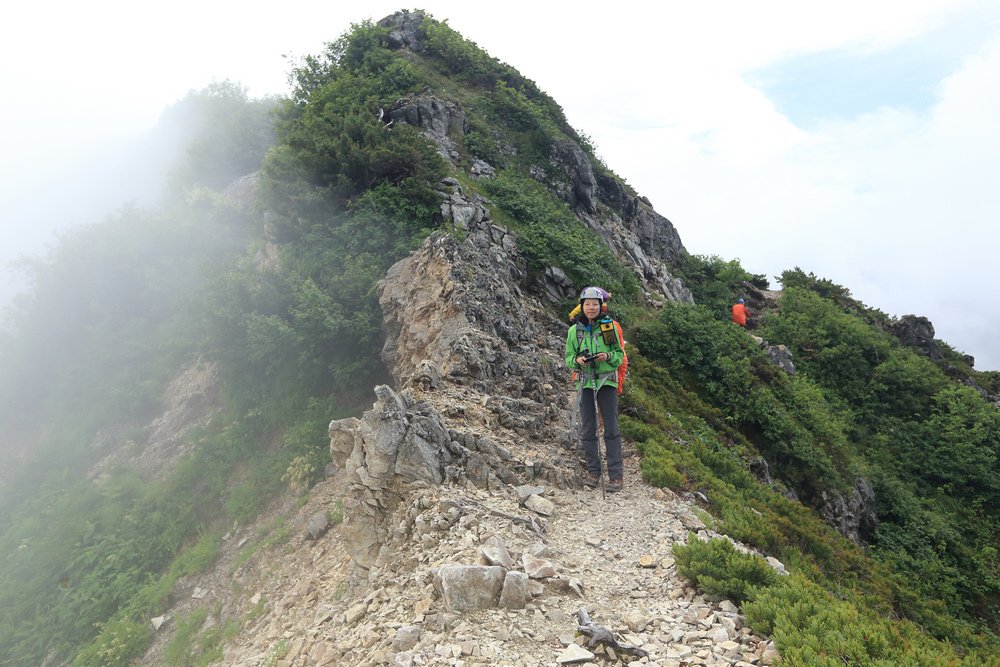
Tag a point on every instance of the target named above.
point(855, 515)
point(482, 169)
point(776, 565)
point(406, 637)
point(540, 505)
point(556, 285)
point(398, 441)
point(782, 357)
point(537, 568)
point(574, 653)
point(317, 526)
point(515, 591)
point(405, 30)
point(469, 587)
point(917, 331)
point(496, 553)
point(572, 158)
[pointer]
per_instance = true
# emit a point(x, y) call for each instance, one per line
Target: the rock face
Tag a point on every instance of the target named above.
point(404, 30)
point(779, 355)
point(916, 331)
point(469, 587)
point(397, 443)
point(441, 120)
point(455, 311)
point(854, 516)
point(635, 232)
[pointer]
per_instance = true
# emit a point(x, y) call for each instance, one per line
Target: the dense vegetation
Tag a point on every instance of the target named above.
point(862, 405)
point(282, 297)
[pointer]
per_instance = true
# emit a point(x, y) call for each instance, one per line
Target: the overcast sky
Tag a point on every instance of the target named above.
point(857, 140)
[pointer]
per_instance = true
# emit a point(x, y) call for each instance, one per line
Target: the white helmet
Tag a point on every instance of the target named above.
point(592, 293)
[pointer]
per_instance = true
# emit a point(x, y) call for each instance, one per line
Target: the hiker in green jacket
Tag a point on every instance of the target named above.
point(594, 352)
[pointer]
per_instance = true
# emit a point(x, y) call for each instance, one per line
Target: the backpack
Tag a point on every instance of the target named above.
point(609, 328)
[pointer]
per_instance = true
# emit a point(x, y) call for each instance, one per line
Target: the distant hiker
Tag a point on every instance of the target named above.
point(594, 350)
point(740, 313)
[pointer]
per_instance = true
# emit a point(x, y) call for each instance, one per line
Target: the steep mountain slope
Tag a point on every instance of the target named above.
point(420, 227)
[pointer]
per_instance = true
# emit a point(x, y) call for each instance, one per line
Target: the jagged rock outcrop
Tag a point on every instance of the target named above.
point(440, 120)
point(779, 355)
point(853, 515)
point(397, 443)
point(636, 233)
point(759, 300)
point(581, 191)
point(918, 332)
point(456, 309)
point(405, 30)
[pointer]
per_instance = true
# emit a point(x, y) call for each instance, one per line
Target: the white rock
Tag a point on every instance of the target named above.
point(778, 566)
point(573, 653)
point(540, 505)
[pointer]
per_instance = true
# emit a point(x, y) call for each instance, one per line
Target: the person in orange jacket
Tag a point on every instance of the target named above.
point(740, 313)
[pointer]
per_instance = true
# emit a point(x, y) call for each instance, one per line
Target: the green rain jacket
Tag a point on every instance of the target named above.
point(606, 372)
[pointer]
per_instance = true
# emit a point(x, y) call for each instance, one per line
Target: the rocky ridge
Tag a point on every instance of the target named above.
point(465, 537)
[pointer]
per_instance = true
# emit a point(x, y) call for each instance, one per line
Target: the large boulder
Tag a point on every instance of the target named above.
point(469, 587)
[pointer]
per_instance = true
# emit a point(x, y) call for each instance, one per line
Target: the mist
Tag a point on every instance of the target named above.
point(80, 188)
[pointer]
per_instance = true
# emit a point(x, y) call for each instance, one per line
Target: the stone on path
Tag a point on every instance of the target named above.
point(469, 587)
point(515, 591)
point(496, 553)
point(540, 505)
point(536, 568)
point(525, 491)
point(573, 653)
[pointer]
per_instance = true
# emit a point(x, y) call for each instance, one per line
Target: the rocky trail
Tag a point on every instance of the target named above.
point(610, 555)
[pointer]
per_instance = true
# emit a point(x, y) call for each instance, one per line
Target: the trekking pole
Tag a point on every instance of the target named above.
point(597, 411)
point(579, 435)
point(597, 414)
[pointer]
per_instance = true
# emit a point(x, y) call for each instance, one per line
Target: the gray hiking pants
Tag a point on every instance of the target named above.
point(607, 400)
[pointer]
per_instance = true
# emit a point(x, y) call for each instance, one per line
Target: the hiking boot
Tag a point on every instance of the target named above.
point(614, 485)
point(592, 480)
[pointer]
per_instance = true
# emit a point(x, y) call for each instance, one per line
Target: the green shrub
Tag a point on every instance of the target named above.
point(719, 569)
point(119, 642)
point(180, 650)
point(715, 283)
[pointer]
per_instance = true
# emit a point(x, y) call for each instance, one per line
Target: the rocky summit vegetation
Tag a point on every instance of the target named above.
point(313, 410)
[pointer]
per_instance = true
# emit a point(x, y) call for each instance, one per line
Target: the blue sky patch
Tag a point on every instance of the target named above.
point(848, 82)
